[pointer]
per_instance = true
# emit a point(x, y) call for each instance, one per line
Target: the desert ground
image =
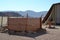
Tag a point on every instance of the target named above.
point(52, 34)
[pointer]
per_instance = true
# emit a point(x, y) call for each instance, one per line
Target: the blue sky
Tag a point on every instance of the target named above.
point(23, 5)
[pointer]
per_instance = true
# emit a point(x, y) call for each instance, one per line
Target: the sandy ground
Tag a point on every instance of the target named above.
point(52, 34)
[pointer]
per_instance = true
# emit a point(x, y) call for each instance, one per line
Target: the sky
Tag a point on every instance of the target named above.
point(23, 5)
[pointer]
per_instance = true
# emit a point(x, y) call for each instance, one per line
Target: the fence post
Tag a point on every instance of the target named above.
point(49, 24)
point(40, 23)
point(1, 28)
point(26, 22)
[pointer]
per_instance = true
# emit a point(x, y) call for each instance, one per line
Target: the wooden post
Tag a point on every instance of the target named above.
point(49, 24)
point(1, 29)
point(1, 21)
point(40, 23)
point(26, 22)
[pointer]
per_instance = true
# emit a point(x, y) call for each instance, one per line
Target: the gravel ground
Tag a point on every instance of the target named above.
point(52, 34)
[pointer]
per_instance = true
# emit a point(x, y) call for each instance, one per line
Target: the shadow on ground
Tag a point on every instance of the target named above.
point(32, 34)
point(29, 34)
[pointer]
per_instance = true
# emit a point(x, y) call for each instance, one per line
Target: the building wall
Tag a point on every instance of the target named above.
point(58, 14)
point(3, 21)
point(55, 15)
